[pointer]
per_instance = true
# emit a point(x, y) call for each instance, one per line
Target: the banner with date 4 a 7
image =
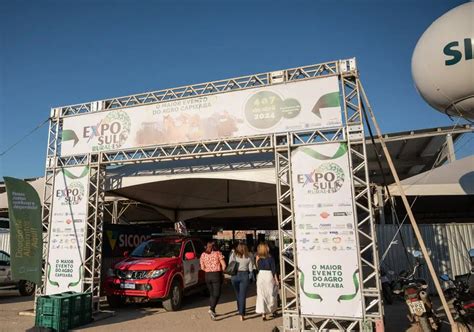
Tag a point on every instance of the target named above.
point(65, 270)
point(302, 105)
point(326, 246)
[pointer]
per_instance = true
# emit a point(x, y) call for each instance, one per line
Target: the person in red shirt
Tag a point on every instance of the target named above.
point(213, 264)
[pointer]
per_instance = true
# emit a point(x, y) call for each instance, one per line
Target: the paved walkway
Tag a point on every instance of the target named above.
point(152, 317)
point(193, 316)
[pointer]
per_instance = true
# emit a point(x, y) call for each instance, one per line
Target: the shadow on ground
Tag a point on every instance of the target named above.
point(13, 296)
point(134, 311)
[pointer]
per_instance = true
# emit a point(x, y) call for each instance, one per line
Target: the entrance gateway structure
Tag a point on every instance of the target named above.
point(310, 118)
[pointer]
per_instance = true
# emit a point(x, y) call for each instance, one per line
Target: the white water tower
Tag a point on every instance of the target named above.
point(443, 63)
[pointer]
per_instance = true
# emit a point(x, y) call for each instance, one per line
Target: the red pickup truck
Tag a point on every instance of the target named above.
point(160, 269)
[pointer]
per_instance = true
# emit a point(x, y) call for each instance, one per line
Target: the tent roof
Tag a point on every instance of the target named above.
point(244, 185)
point(456, 178)
point(412, 152)
point(221, 194)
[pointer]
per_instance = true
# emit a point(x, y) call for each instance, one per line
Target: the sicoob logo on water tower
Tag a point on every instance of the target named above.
point(111, 133)
point(328, 178)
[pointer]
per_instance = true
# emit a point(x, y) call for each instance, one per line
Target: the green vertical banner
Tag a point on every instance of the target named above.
point(26, 242)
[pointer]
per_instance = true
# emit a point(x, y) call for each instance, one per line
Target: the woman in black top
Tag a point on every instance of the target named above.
point(267, 282)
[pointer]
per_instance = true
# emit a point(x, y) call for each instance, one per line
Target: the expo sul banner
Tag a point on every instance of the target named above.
point(26, 230)
point(65, 269)
point(326, 244)
point(279, 108)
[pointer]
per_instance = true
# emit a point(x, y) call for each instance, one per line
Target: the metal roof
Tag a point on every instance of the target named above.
point(412, 152)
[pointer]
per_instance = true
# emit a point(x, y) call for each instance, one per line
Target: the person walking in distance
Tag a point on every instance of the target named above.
point(267, 282)
point(213, 263)
point(240, 281)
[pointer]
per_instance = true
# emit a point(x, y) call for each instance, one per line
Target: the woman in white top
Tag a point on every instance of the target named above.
point(240, 281)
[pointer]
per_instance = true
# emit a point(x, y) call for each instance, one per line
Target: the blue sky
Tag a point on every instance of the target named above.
point(55, 53)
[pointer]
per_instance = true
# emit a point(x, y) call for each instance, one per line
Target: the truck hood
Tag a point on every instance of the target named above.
point(145, 264)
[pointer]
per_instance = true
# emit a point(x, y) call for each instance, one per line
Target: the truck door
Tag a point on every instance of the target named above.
point(190, 265)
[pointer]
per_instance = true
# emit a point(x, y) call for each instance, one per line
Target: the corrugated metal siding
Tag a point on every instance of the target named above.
point(5, 240)
point(462, 236)
point(448, 245)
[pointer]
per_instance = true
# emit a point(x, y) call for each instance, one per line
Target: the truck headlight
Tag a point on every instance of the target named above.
point(156, 273)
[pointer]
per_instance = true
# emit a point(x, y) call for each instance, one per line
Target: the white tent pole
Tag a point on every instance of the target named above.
point(410, 214)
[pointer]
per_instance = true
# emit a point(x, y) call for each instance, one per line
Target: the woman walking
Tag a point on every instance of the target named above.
point(240, 281)
point(267, 282)
point(213, 263)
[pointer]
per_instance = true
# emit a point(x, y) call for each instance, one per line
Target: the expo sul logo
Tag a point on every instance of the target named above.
point(111, 133)
point(72, 194)
point(327, 178)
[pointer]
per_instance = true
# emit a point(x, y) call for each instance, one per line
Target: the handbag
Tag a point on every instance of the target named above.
point(232, 268)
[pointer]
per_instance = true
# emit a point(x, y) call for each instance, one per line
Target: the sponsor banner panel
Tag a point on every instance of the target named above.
point(65, 270)
point(26, 231)
point(119, 239)
point(279, 108)
point(326, 245)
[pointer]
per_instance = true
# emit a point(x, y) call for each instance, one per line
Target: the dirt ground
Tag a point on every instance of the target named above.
point(151, 317)
point(192, 317)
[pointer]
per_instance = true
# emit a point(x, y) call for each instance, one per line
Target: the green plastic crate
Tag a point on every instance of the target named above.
point(53, 305)
point(75, 320)
point(80, 302)
point(86, 302)
point(58, 324)
point(86, 305)
point(75, 308)
point(86, 317)
point(75, 302)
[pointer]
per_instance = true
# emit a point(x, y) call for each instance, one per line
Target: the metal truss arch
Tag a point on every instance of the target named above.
point(331, 68)
point(280, 144)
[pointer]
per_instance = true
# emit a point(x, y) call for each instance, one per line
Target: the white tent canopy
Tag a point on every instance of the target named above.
point(227, 194)
point(242, 186)
point(456, 178)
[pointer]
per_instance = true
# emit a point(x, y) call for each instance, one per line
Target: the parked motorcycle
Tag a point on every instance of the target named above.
point(387, 286)
point(460, 296)
point(417, 298)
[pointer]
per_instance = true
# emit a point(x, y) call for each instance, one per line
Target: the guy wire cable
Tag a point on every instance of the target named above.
point(428, 173)
point(22, 138)
point(383, 175)
point(379, 162)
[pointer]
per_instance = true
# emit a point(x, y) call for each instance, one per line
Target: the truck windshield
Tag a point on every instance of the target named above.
point(157, 249)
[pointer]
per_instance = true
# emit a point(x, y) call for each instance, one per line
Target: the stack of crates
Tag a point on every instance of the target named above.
point(64, 311)
point(53, 312)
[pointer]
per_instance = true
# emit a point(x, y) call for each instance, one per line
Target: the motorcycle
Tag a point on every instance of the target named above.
point(387, 286)
point(460, 296)
point(417, 299)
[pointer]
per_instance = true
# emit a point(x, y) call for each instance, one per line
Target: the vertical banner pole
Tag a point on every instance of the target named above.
point(411, 217)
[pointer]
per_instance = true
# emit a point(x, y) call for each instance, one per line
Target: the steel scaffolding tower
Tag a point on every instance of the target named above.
point(352, 132)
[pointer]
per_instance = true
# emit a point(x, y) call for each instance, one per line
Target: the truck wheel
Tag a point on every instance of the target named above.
point(173, 302)
point(26, 287)
point(115, 301)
